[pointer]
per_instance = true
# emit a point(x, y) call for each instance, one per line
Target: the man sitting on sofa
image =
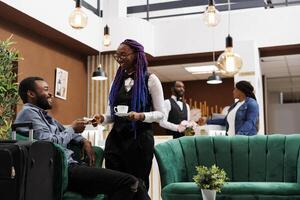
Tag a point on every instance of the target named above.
point(83, 177)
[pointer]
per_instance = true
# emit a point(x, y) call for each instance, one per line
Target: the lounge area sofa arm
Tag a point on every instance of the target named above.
point(169, 158)
point(298, 167)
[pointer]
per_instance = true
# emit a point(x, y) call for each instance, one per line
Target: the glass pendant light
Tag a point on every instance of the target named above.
point(229, 63)
point(106, 37)
point(211, 15)
point(78, 19)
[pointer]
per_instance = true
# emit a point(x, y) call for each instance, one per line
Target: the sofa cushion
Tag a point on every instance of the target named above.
point(190, 190)
point(263, 188)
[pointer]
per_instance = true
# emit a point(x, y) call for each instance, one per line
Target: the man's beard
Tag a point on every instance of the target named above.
point(43, 103)
point(178, 94)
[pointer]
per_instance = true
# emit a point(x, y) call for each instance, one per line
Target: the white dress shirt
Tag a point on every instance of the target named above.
point(156, 92)
point(231, 118)
point(167, 108)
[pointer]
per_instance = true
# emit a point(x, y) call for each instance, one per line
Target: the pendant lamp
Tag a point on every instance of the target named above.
point(214, 79)
point(78, 19)
point(106, 37)
point(229, 63)
point(99, 73)
point(211, 15)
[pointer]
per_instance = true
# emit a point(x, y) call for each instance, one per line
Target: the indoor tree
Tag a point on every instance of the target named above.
point(8, 86)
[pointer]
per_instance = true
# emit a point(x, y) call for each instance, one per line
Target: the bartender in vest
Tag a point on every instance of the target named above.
point(176, 111)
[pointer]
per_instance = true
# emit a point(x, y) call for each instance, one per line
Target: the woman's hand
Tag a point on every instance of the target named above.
point(134, 116)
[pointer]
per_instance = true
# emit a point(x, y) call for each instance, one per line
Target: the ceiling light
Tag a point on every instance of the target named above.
point(201, 69)
point(106, 37)
point(229, 63)
point(99, 74)
point(211, 15)
point(78, 19)
point(214, 79)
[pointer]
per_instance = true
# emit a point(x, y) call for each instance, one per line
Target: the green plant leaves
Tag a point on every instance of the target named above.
point(212, 178)
point(8, 86)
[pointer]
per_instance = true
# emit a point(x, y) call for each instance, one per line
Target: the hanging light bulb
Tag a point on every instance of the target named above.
point(229, 63)
point(211, 15)
point(106, 37)
point(78, 19)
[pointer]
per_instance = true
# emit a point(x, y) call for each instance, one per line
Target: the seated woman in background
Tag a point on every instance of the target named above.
point(242, 117)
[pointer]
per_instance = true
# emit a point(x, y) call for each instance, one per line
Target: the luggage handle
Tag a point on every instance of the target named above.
point(18, 125)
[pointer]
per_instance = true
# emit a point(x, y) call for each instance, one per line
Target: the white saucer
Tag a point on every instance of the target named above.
point(122, 114)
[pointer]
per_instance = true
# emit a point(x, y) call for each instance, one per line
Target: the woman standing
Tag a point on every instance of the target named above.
point(130, 144)
point(243, 116)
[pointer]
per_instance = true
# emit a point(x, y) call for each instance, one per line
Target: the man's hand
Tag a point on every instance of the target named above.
point(78, 125)
point(181, 128)
point(97, 119)
point(134, 116)
point(88, 149)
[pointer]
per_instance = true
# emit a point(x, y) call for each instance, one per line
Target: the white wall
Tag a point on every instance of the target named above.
point(271, 27)
point(282, 118)
point(130, 28)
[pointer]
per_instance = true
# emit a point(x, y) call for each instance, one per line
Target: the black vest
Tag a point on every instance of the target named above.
point(176, 115)
point(121, 124)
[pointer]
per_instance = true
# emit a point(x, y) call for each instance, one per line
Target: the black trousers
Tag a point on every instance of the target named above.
point(130, 153)
point(90, 181)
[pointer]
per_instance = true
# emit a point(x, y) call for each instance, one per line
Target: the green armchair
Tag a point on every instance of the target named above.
point(61, 184)
point(259, 167)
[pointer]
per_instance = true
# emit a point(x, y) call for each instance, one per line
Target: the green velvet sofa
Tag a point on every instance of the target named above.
point(259, 167)
point(61, 172)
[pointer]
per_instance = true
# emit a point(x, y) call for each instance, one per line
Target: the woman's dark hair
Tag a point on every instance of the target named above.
point(140, 91)
point(246, 88)
point(27, 84)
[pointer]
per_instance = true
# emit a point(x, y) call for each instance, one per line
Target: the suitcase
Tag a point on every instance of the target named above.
point(13, 167)
point(41, 170)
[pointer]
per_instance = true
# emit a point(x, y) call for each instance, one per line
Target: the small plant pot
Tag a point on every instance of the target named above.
point(208, 194)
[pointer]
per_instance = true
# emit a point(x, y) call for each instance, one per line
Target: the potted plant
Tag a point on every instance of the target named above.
point(210, 180)
point(8, 86)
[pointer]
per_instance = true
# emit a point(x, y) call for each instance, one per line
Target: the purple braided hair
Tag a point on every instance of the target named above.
point(140, 92)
